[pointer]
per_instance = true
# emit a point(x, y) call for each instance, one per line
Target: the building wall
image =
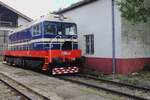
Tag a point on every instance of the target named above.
point(135, 40)
point(132, 43)
point(4, 31)
point(96, 18)
point(3, 40)
point(22, 21)
point(135, 48)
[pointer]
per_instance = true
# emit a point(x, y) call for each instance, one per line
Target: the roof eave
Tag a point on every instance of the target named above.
point(17, 12)
point(76, 5)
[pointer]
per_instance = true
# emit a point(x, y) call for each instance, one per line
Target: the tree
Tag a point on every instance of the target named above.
point(134, 11)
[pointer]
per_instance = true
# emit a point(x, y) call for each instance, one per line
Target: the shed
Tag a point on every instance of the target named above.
point(9, 20)
point(109, 42)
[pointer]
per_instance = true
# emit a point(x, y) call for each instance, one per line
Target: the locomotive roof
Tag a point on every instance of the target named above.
point(49, 17)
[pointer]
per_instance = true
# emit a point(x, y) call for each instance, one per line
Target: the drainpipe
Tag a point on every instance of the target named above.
point(113, 40)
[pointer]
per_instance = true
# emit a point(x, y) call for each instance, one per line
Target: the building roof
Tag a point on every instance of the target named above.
point(76, 5)
point(17, 12)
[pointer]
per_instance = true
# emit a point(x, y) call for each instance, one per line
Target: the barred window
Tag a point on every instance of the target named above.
point(89, 40)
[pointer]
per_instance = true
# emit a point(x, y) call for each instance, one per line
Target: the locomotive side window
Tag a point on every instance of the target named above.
point(60, 30)
point(50, 28)
point(36, 30)
point(70, 29)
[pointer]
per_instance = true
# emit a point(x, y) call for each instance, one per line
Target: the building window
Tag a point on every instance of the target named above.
point(89, 40)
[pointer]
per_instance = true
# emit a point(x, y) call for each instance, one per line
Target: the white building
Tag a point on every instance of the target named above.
point(94, 19)
point(9, 20)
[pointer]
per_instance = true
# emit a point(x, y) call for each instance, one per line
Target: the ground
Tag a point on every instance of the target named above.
point(141, 78)
point(56, 89)
point(53, 88)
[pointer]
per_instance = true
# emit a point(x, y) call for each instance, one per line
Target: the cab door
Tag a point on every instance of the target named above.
point(36, 39)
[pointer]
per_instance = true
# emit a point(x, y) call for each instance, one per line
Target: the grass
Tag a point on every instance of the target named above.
point(141, 78)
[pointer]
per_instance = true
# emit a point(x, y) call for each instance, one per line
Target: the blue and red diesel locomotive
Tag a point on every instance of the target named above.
point(49, 44)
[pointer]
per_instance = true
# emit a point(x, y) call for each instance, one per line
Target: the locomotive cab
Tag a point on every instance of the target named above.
point(63, 41)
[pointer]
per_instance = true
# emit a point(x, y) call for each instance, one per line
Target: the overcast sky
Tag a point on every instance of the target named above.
point(36, 8)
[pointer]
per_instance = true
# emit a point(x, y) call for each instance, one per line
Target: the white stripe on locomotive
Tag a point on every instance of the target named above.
point(42, 40)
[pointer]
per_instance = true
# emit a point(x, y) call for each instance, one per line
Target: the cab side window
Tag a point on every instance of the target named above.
point(36, 30)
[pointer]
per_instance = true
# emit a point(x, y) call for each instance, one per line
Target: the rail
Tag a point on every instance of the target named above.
point(32, 92)
point(114, 82)
point(14, 89)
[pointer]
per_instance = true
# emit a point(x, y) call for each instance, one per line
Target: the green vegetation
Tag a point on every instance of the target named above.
point(135, 11)
point(127, 79)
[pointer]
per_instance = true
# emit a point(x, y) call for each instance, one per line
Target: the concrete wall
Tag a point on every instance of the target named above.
point(135, 47)
point(135, 40)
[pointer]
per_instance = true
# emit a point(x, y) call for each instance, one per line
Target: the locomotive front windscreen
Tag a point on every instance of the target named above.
point(55, 28)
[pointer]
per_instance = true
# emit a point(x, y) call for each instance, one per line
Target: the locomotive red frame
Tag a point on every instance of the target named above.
point(47, 44)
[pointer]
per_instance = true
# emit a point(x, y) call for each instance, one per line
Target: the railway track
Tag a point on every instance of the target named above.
point(22, 92)
point(7, 92)
point(126, 90)
point(114, 82)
